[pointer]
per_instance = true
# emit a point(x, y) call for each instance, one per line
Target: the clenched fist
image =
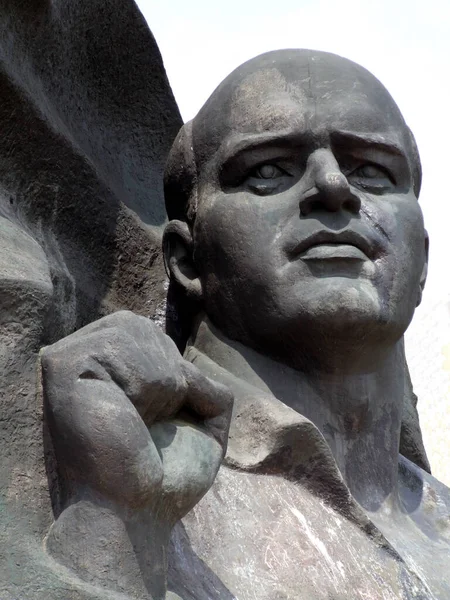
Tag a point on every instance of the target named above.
point(130, 419)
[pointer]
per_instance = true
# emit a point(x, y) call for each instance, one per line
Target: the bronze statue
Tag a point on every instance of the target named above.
point(297, 254)
point(296, 225)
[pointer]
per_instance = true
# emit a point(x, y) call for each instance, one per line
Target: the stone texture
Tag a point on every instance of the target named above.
point(87, 118)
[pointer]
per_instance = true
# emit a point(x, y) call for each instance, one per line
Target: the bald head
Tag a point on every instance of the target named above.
point(297, 93)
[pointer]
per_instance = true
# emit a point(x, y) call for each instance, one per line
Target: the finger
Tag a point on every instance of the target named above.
point(123, 319)
point(130, 351)
point(100, 440)
point(210, 401)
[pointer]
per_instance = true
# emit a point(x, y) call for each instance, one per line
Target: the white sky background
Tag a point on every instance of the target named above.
point(406, 44)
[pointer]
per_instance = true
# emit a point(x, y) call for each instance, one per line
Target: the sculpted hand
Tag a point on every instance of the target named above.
point(131, 419)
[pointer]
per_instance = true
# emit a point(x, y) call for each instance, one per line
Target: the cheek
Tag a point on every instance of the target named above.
point(237, 234)
point(402, 222)
point(236, 258)
point(409, 239)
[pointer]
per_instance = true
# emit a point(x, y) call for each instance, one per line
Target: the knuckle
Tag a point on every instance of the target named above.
point(135, 326)
point(224, 396)
point(118, 321)
point(50, 356)
point(123, 315)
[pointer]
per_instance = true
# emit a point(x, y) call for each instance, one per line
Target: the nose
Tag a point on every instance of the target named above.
point(328, 188)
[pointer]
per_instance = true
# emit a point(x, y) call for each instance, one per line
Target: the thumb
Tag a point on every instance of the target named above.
point(210, 402)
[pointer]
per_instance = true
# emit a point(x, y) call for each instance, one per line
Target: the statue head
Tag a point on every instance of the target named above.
point(293, 199)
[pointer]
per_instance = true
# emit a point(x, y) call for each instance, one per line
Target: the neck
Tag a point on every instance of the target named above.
point(358, 412)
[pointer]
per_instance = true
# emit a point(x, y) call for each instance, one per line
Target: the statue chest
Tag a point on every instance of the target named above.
point(261, 537)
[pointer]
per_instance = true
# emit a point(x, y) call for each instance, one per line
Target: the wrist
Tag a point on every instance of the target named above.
point(120, 549)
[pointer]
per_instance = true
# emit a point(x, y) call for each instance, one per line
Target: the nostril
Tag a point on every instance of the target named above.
point(352, 204)
point(320, 202)
point(311, 205)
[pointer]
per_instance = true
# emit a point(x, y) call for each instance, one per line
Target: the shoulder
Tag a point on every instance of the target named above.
point(425, 497)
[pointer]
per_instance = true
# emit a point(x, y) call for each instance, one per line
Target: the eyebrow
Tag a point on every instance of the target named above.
point(382, 142)
point(243, 143)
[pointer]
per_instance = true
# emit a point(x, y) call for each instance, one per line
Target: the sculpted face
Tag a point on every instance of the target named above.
point(307, 225)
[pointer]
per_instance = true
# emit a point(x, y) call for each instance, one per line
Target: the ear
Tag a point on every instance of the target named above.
point(423, 276)
point(178, 258)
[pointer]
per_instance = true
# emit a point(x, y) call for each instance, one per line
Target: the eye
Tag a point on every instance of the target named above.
point(267, 179)
point(371, 172)
point(372, 176)
point(267, 171)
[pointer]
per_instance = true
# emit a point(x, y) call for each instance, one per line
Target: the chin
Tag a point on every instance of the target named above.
point(344, 310)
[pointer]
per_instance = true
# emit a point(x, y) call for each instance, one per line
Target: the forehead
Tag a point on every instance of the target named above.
point(301, 92)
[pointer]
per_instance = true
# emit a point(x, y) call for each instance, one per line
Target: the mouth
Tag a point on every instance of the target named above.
point(328, 245)
point(333, 252)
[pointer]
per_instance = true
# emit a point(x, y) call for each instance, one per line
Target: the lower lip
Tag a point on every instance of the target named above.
point(333, 252)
